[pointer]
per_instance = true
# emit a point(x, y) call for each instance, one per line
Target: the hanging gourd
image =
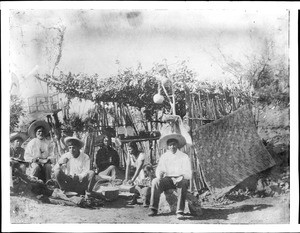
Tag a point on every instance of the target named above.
point(158, 98)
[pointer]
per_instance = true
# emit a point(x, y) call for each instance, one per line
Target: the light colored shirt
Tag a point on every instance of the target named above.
point(79, 166)
point(174, 165)
point(134, 160)
point(134, 163)
point(37, 148)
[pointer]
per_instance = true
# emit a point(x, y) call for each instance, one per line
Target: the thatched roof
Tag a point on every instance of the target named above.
point(137, 88)
point(127, 88)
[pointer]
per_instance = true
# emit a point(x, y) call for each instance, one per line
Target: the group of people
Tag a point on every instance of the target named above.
point(72, 170)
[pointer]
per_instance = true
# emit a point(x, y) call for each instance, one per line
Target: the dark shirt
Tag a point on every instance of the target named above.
point(105, 157)
point(17, 153)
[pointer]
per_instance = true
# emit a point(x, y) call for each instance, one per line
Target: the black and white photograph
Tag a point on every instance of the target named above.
point(124, 113)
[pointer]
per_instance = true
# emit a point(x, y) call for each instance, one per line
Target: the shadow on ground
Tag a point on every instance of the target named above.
point(121, 202)
point(223, 213)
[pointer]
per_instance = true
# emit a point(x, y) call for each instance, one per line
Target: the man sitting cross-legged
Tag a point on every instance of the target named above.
point(72, 170)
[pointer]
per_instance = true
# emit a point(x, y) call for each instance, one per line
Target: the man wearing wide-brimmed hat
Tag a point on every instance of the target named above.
point(39, 151)
point(72, 170)
point(173, 170)
point(17, 151)
point(17, 139)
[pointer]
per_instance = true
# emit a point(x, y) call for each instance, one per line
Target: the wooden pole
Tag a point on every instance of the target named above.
point(215, 108)
point(154, 159)
point(200, 106)
point(173, 104)
point(91, 150)
point(233, 103)
point(210, 115)
point(189, 121)
point(193, 108)
point(219, 104)
point(124, 154)
point(188, 107)
point(223, 103)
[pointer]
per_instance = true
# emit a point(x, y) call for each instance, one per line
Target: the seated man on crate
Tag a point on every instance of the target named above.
point(72, 171)
point(173, 172)
point(107, 159)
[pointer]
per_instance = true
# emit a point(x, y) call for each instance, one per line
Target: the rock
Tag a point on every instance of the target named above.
point(268, 190)
point(276, 189)
point(194, 205)
point(168, 203)
point(260, 185)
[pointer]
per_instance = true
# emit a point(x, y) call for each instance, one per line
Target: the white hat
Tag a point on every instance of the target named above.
point(171, 130)
point(16, 135)
point(38, 123)
point(67, 139)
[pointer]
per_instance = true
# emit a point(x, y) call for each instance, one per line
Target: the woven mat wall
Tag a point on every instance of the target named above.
point(230, 150)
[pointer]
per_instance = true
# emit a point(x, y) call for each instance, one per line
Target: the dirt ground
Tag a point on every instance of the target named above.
point(251, 211)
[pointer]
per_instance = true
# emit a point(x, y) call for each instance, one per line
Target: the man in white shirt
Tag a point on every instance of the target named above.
point(72, 170)
point(173, 172)
point(39, 151)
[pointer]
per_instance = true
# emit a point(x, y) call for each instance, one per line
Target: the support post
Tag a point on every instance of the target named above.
point(187, 116)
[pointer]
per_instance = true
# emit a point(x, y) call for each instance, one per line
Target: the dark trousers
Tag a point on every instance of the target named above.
point(68, 183)
point(42, 171)
point(164, 184)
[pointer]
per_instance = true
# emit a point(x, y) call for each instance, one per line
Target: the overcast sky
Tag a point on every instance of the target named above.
point(96, 39)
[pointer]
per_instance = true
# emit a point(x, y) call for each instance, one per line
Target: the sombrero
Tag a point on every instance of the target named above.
point(171, 131)
point(38, 123)
point(67, 139)
point(163, 140)
point(16, 135)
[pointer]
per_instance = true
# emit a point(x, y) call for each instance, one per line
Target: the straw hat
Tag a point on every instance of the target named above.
point(16, 135)
point(67, 139)
point(38, 123)
point(171, 131)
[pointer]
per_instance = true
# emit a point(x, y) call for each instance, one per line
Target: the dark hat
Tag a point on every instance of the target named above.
point(36, 124)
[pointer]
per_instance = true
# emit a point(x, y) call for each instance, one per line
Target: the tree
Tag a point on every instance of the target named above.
point(262, 76)
point(16, 111)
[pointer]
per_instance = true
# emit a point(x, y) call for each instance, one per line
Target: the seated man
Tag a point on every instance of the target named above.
point(72, 171)
point(107, 159)
point(173, 172)
point(17, 152)
point(39, 151)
